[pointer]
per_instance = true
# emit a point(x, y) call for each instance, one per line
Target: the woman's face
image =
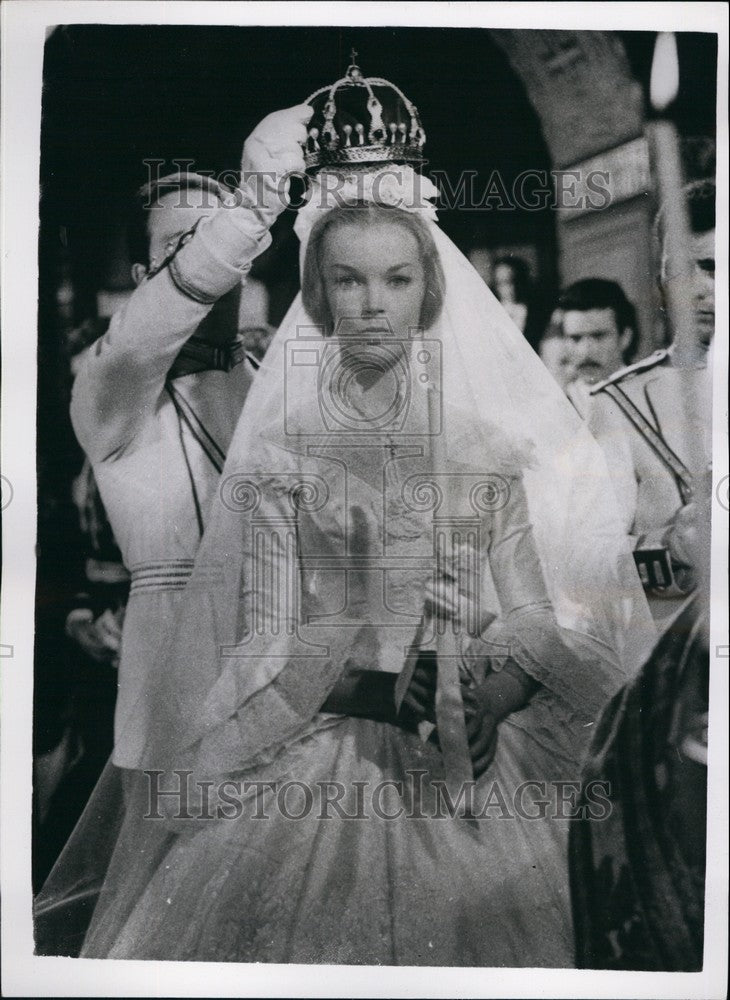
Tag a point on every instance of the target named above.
point(375, 284)
point(504, 283)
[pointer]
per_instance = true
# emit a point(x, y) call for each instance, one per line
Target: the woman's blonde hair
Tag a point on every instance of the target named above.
point(313, 293)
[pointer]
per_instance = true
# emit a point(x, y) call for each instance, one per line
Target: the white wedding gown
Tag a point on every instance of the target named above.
point(315, 560)
point(436, 890)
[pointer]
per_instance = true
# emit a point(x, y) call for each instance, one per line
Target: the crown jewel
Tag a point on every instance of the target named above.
point(359, 121)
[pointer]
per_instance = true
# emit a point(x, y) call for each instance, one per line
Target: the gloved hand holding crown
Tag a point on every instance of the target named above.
point(274, 150)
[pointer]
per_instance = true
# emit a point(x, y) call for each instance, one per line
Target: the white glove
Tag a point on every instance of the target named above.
point(274, 150)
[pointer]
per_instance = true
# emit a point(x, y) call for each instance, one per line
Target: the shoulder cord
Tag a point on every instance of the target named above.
point(185, 238)
point(207, 442)
point(652, 436)
point(210, 448)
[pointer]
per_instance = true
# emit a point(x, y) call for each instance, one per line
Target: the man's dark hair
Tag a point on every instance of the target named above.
point(600, 293)
point(701, 204)
point(147, 197)
point(700, 200)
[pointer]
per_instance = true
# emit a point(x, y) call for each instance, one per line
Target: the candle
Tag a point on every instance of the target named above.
point(677, 262)
point(675, 232)
point(664, 83)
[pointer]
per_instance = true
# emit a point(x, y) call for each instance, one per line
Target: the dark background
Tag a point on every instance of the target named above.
point(116, 95)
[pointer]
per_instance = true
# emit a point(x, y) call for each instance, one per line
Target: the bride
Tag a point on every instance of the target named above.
point(410, 604)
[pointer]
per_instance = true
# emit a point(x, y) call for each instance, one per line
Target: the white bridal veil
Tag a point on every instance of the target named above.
point(287, 590)
point(499, 413)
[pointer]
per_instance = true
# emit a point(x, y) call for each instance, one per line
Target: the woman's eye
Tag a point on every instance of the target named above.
point(399, 280)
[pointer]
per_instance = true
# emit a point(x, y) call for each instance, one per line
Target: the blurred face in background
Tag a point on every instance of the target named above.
point(257, 339)
point(504, 283)
point(595, 343)
point(702, 289)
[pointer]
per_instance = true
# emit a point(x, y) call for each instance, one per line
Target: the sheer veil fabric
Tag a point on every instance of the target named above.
point(315, 558)
point(502, 416)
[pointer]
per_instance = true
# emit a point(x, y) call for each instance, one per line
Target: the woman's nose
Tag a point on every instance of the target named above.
point(372, 301)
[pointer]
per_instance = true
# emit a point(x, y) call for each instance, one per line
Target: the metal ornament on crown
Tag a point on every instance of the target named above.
point(365, 144)
point(360, 122)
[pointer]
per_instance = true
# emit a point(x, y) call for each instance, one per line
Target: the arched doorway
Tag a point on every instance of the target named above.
point(591, 111)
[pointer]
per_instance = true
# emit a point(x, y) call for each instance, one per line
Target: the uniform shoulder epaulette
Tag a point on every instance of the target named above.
point(646, 364)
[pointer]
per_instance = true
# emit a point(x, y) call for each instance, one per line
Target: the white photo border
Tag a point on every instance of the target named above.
point(25, 27)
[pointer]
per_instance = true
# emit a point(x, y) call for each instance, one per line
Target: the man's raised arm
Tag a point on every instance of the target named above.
point(206, 257)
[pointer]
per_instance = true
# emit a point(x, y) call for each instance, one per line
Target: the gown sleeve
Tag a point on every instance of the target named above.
point(254, 677)
point(574, 669)
point(610, 428)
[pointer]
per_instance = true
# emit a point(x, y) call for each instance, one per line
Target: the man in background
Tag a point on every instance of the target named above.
point(638, 877)
point(254, 329)
point(600, 332)
point(646, 417)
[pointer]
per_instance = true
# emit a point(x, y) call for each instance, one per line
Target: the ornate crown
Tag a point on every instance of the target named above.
point(359, 121)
